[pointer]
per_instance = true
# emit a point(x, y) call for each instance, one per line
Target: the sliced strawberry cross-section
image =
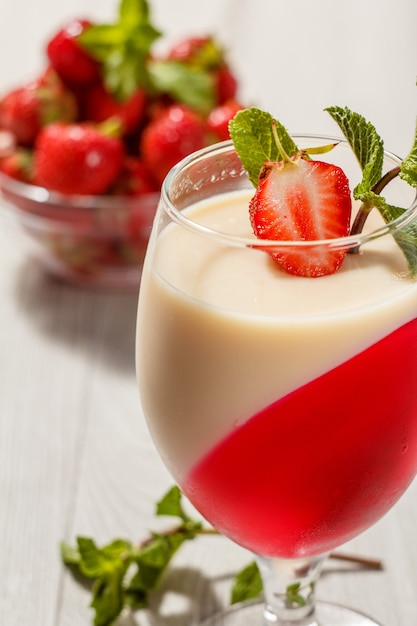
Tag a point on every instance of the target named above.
point(302, 200)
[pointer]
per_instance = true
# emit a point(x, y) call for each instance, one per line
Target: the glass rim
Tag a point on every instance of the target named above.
point(224, 147)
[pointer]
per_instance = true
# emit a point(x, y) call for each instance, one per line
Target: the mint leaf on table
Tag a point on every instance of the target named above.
point(247, 584)
point(123, 47)
point(171, 504)
point(253, 139)
point(122, 574)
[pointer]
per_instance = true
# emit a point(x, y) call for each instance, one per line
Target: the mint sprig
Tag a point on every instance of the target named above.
point(251, 131)
point(123, 47)
point(368, 148)
point(123, 575)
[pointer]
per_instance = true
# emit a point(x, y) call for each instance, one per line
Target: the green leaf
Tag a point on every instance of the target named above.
point(135, 596)
point(100, 39)
point(133, 13)
point(107, 598)
point(123, 47)
point(369, 150)
point(293, 595)
point(70, 555)
point(406, 237)
point(192, 86)
point(247, 584)
point(160, 550)
point(253, 139)
point(96, 562)
point(366, 144)
point(171, 504)
point(408, 169)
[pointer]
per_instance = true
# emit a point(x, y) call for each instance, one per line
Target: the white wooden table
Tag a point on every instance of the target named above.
point(75, 455)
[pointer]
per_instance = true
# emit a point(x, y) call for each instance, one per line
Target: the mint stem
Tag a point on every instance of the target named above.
point(365, 562)
point(365, 209)
point(278, 144)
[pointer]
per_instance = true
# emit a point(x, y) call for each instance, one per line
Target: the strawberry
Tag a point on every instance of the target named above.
point(135, 179)
point(199, 50)
point(73, 64)
point(18, 164)
point(218, 119)
point(7, 143)
point(26, 109)
point(298, 199)
point(173, 134)
point(100, 105)
point(226, 84)
point(77, 158)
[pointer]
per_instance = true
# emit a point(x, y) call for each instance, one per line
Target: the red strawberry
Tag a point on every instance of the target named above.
point(226, 84)
point(18, 164)
point(171, 136)
point(100, 105)
point(219, 118)
point(77, 158)
point(135, 179)
point(24, 110)
point(68, 58)
point(302, 200)
point(7, 143)
point(197, 50)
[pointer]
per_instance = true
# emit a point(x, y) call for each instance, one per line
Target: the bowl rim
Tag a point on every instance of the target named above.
point(42, 196)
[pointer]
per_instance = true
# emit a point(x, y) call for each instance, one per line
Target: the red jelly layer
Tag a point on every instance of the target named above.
point(322, 464)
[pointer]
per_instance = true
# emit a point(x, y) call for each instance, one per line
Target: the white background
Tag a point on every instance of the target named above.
point(293, 58)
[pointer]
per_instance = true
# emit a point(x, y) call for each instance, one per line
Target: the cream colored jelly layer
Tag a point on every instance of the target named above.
point(223, 332)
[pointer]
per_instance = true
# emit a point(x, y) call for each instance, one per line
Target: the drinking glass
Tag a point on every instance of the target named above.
point(285, 407)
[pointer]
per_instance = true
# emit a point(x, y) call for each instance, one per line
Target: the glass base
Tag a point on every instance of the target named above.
point(327, 614)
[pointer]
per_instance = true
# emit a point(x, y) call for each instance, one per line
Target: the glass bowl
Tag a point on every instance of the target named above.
point(97, 241)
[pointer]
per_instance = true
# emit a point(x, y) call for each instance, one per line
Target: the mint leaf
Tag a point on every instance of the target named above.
point(408, 169)
point(369, 150)
point(366, 144)
point(252, 136)
point(161, 549)
point(406, 238)
point(294, 596)
point(108, 567)
point(170, 504)
point(95, 562)
point(190, 85)
point(247, 584)
point(123, 47)
point(133, 13)
point(107, 598)
point(70, 555)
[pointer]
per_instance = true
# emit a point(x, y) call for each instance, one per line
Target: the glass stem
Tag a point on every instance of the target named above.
point(289, 588)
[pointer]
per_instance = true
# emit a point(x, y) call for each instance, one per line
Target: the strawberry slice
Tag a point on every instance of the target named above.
point(299, 199)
